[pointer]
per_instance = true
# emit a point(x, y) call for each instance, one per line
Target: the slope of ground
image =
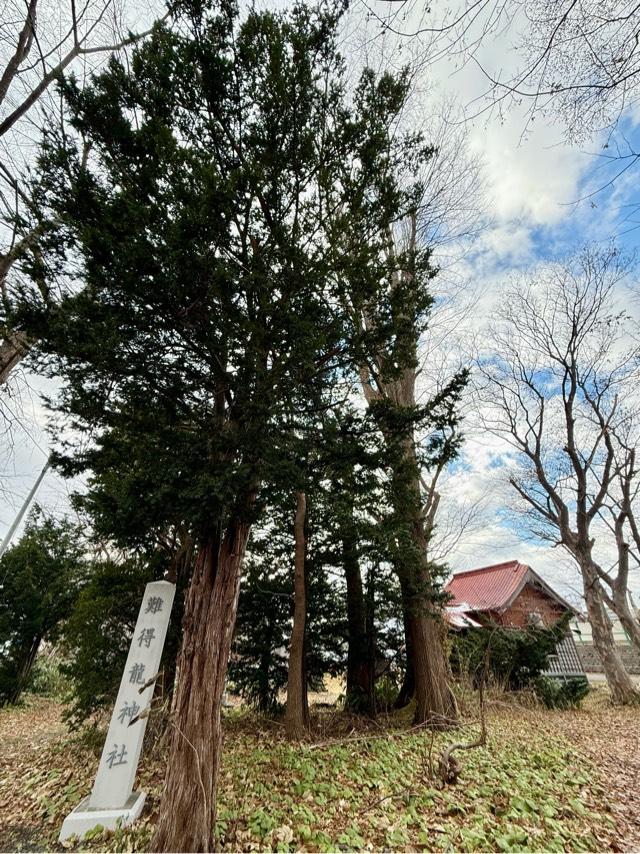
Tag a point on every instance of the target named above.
point(561, 781)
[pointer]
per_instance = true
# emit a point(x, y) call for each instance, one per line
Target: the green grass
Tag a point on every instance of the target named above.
point(527, 790)
point(520, 793)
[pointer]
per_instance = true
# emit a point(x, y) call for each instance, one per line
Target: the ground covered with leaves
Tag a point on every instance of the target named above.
point(546, 781)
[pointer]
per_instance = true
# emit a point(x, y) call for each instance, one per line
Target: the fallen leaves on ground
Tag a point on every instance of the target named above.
point(609, 737)
point(546, 781)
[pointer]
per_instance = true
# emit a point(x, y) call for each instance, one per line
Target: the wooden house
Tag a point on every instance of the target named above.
point(512, 594)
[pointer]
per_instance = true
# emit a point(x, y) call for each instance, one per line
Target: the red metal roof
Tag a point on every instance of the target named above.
point(489, 588)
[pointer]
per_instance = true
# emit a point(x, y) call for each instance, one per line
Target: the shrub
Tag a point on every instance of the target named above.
point(516, 657)
point(386, 692)
point(47, 679)
point(557, 694)
point(96, 637)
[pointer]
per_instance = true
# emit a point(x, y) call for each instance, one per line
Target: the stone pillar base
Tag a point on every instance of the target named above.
point(84, 818)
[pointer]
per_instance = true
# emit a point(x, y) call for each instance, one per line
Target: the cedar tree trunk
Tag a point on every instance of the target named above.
point(26, 666)
point(297, 714)
point(408, 688)
point(359, 674)
point(188, 806)
point(435, 701)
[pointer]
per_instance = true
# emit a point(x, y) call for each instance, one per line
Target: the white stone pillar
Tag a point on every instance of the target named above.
point(112, 801)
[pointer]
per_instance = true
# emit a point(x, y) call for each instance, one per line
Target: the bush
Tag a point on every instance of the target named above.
point(516, 656)
point(386, 692)
point(565, 694)
point(47, 679)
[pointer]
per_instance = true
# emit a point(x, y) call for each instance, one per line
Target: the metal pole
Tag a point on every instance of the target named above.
point(24, 508)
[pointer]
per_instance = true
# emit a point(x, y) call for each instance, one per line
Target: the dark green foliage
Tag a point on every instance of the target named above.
point(516, 657)
point(386, 694)
point(561, 693)
point(258, 665)
point(341, 474)
point(47, 678)
point(95, 639)
point(258, 668)
point(218, 251)
point(203, 308)
point(40, 579)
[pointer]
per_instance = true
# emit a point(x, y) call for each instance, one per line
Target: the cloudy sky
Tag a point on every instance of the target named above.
point(536, 201)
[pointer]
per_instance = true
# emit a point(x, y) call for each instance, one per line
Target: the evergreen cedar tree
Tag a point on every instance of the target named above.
point(221, 207)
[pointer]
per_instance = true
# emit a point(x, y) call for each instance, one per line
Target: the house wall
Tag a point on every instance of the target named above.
point(530, 600)
point(587, 651)
point(591, 660)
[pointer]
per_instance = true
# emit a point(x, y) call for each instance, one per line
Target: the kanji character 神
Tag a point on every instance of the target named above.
point(129, 710)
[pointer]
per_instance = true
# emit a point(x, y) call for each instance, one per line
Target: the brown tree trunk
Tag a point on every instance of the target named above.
point(618, 585)
point(620, 683)
point(188, 806)
point(435, 702)
point(408, 687)
point(359, 675)
point(26, 667)
point(12, 350)
point(297, 714)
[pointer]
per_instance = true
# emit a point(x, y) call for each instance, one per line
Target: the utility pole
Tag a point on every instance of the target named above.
point(24, 508)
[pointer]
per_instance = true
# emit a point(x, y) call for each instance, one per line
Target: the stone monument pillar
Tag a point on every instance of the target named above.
point(112, 802)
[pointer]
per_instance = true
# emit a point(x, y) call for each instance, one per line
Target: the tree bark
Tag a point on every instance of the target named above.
point(188, 806)
point(371, 636)
point(297, 713)
point(13, 349)
point(429, 676)
point(26, 666)
point(435, 702)
point(620, 683)
point(359, 674)
point(619, 586)
point(408, 687)
point(628, 620)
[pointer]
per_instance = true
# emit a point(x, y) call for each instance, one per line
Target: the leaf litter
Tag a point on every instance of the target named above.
point(547, 781)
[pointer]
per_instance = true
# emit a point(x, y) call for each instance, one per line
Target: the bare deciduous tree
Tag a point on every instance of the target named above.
point(40, 42)
point(577, 59)
point(554, 387)
point(449, 217)
point(572, 62)
point(427, 667)
point(581, 59)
